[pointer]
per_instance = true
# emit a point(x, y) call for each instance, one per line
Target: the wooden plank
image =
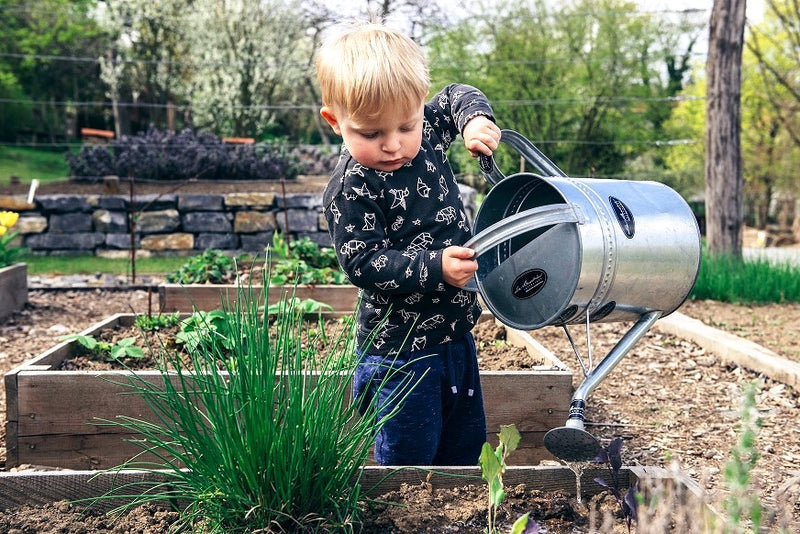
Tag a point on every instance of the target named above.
point(738, 350)
point(13, 288)
point(534, 402)
point(206, 297)
point(72, 402)
point(82, 451)
point(531, 400)
point(37, 488)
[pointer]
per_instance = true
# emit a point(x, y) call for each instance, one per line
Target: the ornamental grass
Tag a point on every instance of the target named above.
point(255, 432)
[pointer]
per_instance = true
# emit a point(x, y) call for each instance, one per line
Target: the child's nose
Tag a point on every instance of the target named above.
point(391, 143)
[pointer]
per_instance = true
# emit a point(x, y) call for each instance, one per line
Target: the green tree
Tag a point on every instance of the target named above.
point(47, 51)
point(771, 96)
point(684, 159)
point(769, 153)
point(588, 82)
point(147, 66)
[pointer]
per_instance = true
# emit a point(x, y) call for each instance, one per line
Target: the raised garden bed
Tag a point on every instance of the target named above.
point(13, 288)
point(52, 415)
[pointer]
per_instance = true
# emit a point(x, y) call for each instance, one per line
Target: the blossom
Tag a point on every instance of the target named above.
point(7, 252)
point(7, 220)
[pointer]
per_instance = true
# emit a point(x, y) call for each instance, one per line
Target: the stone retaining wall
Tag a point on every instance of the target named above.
point(175, 224)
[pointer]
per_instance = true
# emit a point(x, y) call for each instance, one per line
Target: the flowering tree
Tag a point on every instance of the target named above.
point(251, 61)
point(148, 64)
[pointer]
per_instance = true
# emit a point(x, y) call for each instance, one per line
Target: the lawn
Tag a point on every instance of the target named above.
point(88, 264)
point(29, 163)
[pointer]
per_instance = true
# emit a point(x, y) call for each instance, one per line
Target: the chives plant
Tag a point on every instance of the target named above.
point(249, 437)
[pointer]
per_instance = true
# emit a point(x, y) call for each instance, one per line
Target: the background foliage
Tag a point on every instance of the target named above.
point(609, 88)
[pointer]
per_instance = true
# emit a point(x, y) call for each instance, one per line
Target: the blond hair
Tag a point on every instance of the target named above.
point(367, 68)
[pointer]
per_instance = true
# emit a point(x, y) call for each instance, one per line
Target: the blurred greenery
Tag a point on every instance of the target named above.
point(29, 163)
point(728, 279)
point(88, 264)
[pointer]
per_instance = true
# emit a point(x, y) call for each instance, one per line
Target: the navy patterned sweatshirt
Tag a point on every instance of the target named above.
point(389, 230)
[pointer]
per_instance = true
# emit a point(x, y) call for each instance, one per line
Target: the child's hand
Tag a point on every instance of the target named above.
point(481, 136)
point(458, 265)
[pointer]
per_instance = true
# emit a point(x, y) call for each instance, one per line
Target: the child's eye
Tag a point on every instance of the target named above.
point(369, 135)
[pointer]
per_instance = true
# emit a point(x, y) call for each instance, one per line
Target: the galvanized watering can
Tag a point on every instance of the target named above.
point(555, 250)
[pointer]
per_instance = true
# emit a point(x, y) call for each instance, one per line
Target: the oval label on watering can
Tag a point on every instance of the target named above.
point(528, 283)
point(624, 216)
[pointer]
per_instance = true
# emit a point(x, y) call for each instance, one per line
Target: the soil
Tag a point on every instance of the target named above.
point(673, 403)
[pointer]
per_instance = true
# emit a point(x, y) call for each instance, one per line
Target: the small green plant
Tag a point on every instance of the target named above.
point(210, 267)
point(148, 322)
point(8, 254)
point(742, 504)
point(299, 306)
point(303, 261)
point(203, 328)
point(124, 348)
point(493, 465)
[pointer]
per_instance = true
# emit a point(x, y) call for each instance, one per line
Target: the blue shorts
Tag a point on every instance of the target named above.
point(440, 420)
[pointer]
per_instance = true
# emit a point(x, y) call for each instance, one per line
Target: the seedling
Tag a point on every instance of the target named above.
point(612, 457)
point(157, 322)
point(212, 266)
point(493, 465)
point(125, 348)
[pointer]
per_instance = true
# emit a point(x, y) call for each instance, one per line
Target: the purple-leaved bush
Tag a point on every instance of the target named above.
point(179, 156)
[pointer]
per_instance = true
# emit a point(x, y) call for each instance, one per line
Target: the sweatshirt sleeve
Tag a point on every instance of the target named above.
point(453, 107)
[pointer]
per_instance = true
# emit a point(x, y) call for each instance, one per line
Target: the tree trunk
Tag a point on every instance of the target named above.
point(724, 181)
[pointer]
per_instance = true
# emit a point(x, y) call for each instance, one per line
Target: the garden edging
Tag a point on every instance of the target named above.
point(733, 348)
point(32, 488)
point(51, 415)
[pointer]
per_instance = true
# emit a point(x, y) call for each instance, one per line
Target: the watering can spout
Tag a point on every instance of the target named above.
point(571, 442)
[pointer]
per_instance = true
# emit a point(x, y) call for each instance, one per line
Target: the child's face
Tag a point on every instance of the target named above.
point(385, 143)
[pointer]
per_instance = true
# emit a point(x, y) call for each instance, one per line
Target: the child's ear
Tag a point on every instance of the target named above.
point(330, 118)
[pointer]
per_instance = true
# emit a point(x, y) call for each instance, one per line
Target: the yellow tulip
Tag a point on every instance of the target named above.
point(3, 231)
point(8, 218)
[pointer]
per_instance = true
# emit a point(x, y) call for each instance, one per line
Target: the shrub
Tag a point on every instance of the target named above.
point(185, 155)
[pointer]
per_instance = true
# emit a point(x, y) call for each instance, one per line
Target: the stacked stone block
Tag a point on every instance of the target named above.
point(107, 225)
point(171, 224)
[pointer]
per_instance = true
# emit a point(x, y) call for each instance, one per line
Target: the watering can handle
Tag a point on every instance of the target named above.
point(518, 223)
point(527, 150)
point(523, 221)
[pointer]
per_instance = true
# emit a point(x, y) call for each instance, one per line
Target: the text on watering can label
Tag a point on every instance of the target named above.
point(528, 283)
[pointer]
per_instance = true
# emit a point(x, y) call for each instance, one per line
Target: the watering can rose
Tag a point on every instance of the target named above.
point(8, 253)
